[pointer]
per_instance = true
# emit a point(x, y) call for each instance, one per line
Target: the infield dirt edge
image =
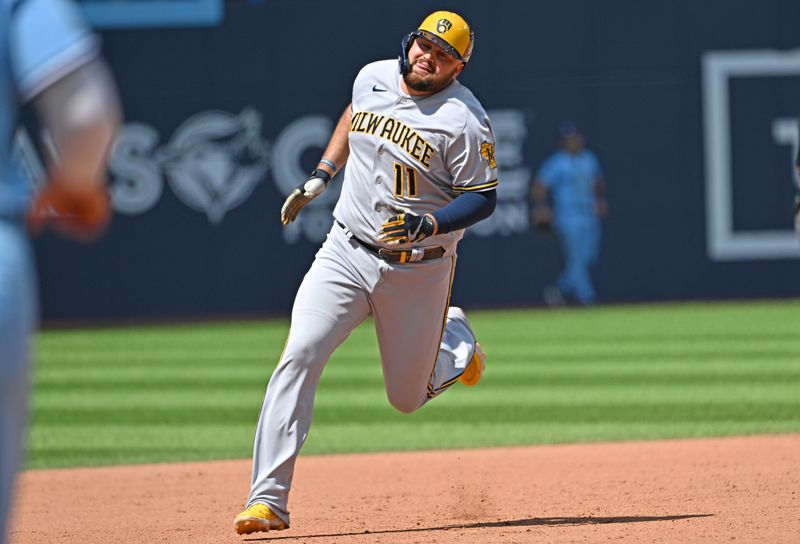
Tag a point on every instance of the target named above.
point(744, 489)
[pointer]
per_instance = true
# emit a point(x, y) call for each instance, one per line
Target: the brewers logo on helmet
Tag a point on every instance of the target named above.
point(446, 29)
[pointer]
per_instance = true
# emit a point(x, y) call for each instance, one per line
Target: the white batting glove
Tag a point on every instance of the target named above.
point(304, 194)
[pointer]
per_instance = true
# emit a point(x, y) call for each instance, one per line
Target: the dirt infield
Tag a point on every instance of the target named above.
point(713, 490)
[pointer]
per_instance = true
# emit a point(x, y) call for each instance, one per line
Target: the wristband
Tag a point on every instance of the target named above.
point(434, 223)
point(321, 174)
point(328, 163)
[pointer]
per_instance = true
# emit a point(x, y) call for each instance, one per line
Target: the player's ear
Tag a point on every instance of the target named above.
point(460, 67)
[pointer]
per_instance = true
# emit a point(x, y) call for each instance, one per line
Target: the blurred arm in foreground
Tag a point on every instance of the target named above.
point(48, 57)
point(82, 114)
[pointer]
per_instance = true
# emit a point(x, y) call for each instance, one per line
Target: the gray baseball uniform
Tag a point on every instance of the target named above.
point(417, 153)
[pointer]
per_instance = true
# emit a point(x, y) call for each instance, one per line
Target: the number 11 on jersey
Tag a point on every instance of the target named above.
point(404, 185)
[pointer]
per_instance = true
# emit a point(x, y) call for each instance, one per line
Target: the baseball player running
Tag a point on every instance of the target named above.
point(420, 168)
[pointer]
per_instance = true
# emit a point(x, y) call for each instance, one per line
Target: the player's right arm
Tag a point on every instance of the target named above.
point(56, 64)
point(334, 157)
point(541, 194)
point(82, 115)
point(542, 214)
point(338, 148)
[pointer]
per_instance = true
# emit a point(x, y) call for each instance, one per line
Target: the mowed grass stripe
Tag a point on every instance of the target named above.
point(70, 448)
point(199, 384)
point(507, 359)
point(194, 391)
point(514, 395)
point(782, 346)
point(505, 374)
point(733, 410)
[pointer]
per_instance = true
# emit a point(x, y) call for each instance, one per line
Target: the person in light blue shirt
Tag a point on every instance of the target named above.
point(797, 196)
point(50, 58)
point(568, 196)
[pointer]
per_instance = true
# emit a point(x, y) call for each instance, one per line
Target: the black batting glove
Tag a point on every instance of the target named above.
point(406, 227)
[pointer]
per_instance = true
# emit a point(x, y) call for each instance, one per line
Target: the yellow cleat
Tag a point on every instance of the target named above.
point(472, 374)
point(258, 518)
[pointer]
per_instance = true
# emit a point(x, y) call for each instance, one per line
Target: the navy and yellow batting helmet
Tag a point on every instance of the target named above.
point(446, 29)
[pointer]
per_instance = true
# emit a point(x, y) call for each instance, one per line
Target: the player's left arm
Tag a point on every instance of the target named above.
point(797, 197)
point(599, 189)
point(797, 215)
point(472, 164)
point(797, 169)
point(600, 202)
point(465, 210)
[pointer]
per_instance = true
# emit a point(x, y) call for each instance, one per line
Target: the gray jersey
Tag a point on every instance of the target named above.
point(414, 153)
point(417, 153)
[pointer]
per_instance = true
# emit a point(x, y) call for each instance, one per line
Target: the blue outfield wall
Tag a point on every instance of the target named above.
point(691, 107)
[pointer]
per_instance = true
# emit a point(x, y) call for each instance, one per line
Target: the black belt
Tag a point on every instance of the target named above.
point(399, 255)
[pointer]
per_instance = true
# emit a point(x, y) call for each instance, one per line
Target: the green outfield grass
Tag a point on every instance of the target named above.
point(189, 392)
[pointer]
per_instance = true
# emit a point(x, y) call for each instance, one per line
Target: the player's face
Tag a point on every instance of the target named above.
point(432, 69)
point(574, 143)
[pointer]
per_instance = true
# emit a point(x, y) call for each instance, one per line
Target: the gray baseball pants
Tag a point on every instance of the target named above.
point(424, 347)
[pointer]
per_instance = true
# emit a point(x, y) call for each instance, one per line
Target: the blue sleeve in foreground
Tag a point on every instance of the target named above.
point(467, 209)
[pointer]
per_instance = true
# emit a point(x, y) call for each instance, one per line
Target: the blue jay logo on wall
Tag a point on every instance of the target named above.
point(215, 160)
point(212, 163)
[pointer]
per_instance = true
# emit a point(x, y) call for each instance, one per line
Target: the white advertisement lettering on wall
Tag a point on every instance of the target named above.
point(215, 160)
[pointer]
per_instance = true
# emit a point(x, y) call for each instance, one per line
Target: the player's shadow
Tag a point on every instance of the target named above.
point(531, 522)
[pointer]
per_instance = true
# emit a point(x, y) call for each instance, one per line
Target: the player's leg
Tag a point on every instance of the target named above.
point(17, 322)
point(424, 344)
point(330, 303)
point(593, 237)
point(593, 242)
point(13, 402)
point(460, 357)
point(586, 242)
point(569, 234)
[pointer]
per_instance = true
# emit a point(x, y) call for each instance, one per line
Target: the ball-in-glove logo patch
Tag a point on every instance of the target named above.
point(443, 25)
